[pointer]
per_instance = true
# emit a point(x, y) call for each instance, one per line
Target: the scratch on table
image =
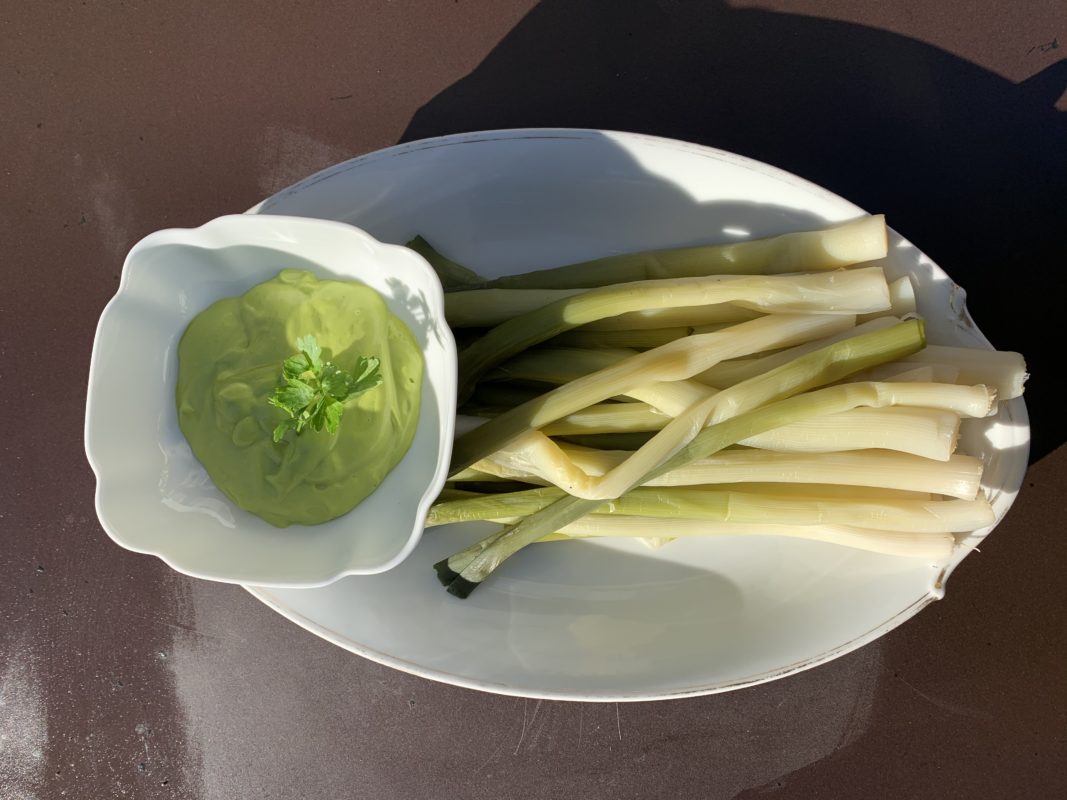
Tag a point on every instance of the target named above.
point(581, 721)
point(536, 709)
point(949, 707)
point(526, 726)
point(618, 722)
point(486, 762)
point(536, 732)
point(522, 736)
point(193, 630)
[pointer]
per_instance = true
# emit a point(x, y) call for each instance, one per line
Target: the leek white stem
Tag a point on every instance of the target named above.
point(901, 300)
point(960, 476)
point(927, 432)
point(736, 370)
point(933, 547)
point(683, 316)
point(1002, 369)
point(487, 308)
point(923, 431)
point(842, 245)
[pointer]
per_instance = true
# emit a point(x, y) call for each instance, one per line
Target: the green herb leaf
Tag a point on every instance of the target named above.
point(312, 392)
point(295, 366)
point(317, 412)
point(292, 397)
point(334, 382)
point(286, 425)
point(367, 374)
point(311, 350)
point(332, 414)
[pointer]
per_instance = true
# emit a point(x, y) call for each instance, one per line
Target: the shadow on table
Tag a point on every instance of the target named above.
point(969, 166)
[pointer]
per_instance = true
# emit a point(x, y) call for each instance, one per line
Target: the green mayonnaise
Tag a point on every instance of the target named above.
point(230, 360)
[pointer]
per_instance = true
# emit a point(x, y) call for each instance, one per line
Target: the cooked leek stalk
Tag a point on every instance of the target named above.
point(860, 240)
point(958, 476)
point(683, 316)
point(485, 308)
point(919, 516)
point(928, 432)
point(923, 431)
point(930, 546)
point(609, 418)
point(736, 370)
point(560, 365)
point(967, 401)
point(901, 299)
point(669, 397)
point(1002, 369)
point(451, 274)
point(850, 292)
point(836, 490)
point(675, 361)
point(913, 373)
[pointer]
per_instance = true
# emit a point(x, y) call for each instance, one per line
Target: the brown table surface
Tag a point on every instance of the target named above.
point(120, 678)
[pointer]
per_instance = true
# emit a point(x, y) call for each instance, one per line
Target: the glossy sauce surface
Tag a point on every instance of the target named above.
point(230, 361)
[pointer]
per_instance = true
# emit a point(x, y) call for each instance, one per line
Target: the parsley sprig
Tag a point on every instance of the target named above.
point(312, 390)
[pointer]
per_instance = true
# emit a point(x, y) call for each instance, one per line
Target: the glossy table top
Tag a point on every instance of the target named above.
point(120, 678)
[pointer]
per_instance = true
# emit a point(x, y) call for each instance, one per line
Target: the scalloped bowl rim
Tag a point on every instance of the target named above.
point(441, 390)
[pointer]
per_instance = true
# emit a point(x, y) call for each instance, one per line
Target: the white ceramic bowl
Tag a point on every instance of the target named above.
point(614, 620)
point(153, 496)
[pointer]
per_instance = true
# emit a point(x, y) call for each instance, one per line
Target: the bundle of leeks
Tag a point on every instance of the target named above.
point(759, 388)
